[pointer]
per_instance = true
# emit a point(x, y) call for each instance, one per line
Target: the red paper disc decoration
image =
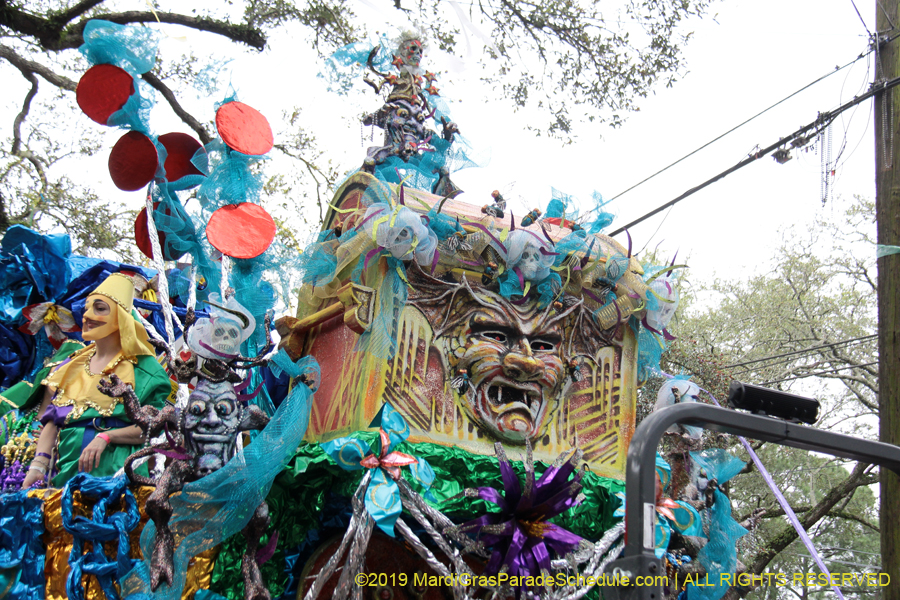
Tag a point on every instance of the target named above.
point(180, 149)
point(244, 128)
point(241, 230)
point(133, 161)
point(103, 90)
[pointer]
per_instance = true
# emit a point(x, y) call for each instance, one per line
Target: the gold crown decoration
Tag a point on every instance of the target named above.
point(119, 288)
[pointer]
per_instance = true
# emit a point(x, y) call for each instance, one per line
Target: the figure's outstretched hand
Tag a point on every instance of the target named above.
point(113, 387)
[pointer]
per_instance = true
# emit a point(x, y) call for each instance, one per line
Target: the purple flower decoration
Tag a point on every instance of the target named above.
point(519, 536)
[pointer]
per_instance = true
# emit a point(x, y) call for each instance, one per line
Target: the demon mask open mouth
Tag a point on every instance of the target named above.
point(513, 409)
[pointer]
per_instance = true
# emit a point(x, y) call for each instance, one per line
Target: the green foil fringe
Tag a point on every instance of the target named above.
point(299, 494)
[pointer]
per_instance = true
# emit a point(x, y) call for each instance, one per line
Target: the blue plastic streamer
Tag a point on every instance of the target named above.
point(22, 551)
point(219, 505)
point(33, 268)
point(102, 527)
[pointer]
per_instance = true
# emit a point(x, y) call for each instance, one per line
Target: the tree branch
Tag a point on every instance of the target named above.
point(54, 32)
point(856, 479)
point(76, 11)
point(242, 33)
point(184, 115)
point(20, 118)
point(29, 66)
point(771, 513)
point(16, 149)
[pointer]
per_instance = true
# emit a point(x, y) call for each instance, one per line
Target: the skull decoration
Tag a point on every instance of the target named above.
point(410, 51)
point(404, 234)
point(220, 336)
point(524, 253)
point(678, 391)
point(667, 296)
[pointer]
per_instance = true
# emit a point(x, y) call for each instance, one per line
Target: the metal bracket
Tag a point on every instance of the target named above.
point(640, 483)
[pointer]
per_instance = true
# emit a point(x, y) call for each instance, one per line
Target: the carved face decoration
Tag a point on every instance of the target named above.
point(211, 418)
point(517, 372)
point(405, 128)
point(100, 318)
point(411, 52)
point(515, 356)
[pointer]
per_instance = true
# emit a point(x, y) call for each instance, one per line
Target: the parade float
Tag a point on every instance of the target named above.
point(447, 414)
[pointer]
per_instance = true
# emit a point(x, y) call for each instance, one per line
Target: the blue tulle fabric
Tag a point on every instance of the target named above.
point(423, 170)
point(719, 555)
point(318, 262)
point(21, 548)
point(380, 340)
point(346, 66)
point(219, 505)
point(130, 47)
point(184, 235)
point(103, 526)
point(229, 179)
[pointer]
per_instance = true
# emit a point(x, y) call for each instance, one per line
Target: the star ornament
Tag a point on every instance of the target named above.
point(520, 536)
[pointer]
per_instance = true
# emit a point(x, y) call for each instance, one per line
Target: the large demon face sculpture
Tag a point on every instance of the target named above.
point(211, 418)
point(512, 361)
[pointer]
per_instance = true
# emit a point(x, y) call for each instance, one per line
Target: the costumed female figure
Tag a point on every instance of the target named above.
point(83, 429)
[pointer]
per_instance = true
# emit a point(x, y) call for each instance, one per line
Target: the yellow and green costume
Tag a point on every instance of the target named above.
point(78, 408)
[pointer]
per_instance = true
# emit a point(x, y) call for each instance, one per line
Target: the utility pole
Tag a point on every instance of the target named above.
point(887, 212)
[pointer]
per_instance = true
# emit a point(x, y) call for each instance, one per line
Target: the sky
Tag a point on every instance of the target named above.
point(743, 57)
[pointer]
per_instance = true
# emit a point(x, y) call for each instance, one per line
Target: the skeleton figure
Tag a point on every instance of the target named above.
point(404, 114)
point(205, 438)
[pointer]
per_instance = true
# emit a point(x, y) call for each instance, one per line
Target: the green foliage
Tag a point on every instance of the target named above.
point(803, 324)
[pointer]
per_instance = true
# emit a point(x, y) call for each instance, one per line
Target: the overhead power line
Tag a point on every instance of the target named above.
point(791, 359)
point(821, 121)
point(817, 373)
point(802, 351)
point(736, 127)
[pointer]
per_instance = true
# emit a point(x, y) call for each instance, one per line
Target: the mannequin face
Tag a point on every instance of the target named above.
point(100, 318)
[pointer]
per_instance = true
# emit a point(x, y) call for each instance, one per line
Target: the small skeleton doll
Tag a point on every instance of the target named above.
point(574, 370)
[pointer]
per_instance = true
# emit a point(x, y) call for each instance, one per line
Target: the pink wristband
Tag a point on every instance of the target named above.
point(105, 438)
